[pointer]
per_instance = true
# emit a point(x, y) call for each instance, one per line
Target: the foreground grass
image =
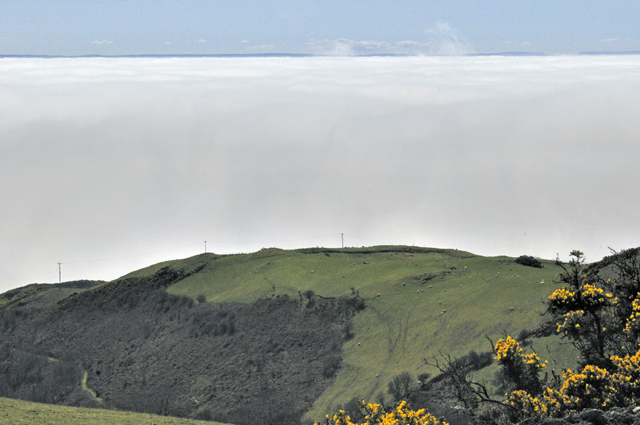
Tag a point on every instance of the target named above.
point(420, 302)
point(17, 412)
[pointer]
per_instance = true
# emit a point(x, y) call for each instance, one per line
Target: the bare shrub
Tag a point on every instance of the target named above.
point(401, 386)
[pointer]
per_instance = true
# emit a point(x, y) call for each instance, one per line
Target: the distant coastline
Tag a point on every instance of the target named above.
point(298, 55)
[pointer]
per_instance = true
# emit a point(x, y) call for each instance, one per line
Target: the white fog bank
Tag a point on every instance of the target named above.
point(108, 165)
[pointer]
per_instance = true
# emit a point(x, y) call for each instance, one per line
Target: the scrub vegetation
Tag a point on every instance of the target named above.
point(131, 345)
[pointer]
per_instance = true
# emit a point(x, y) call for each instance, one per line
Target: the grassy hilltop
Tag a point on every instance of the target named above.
point(420, 302)
point(19, 412)
point(430, 301)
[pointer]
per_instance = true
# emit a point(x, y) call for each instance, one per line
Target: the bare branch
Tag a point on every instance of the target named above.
point(468, 391)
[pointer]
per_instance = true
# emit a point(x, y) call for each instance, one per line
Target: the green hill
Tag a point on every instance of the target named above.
point(420, 302)
point(19, 412)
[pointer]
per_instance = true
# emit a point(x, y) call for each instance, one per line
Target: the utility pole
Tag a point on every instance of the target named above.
point(59, 272)
point(205, 247)
point(342, 235)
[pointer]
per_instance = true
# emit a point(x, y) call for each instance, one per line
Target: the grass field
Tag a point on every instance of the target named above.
point(420, 302)
point(18, 412)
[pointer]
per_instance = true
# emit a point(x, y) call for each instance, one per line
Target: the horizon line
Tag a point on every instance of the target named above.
point(294, 55)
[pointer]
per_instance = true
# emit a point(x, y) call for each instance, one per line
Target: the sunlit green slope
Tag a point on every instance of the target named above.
point(420, 302)
point(18, 412)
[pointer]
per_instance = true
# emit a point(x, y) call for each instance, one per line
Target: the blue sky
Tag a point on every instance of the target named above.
point(284, 26)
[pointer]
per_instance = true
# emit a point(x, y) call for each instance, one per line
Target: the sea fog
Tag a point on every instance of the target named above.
point(112, 164)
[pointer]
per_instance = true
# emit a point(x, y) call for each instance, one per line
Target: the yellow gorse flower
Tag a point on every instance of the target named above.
point(592, 387)
point(587, 296)
point(633, 322)
point(377, 415)
point(562, 296)
point(592, 295)
point(506, 348)
point(571, 319)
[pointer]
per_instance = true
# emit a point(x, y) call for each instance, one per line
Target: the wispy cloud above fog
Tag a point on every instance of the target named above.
point(445, 41)
point(111, 164)
point(441, 40)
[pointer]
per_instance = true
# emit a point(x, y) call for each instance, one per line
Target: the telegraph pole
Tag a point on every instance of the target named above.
point(59, 272)
point(205, 247)
point(342, 235)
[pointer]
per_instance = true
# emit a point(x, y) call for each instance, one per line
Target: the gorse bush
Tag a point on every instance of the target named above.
point(598, 310)
point(592, 387)
point(376, 414)
point(600, 316)
point(522, 370)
